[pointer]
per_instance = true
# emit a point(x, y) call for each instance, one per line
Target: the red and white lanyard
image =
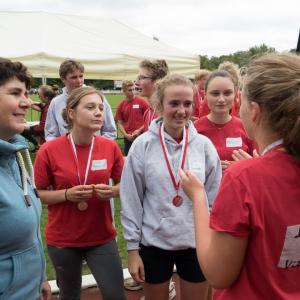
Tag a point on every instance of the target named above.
point(167, 155)
point(76, 159)
point(275, 145)
point(151, 116)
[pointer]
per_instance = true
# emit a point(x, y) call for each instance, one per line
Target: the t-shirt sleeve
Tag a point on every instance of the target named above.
point(118, 164)
point(231, 209)
point(119, 115)
point(42, 170)
point(144, 105)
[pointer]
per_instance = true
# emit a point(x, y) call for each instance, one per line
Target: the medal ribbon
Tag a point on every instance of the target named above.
point(150, 116)
point(166, 153)
point(275, 145)
point(76, 159)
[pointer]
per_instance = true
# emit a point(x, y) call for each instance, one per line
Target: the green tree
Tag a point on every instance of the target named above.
point(240, 58)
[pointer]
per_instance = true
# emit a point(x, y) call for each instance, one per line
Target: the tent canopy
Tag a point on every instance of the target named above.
point(106, 48)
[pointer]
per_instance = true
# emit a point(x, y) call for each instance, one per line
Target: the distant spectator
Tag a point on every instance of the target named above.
point(149, 73)
point(129, 115)
point(56, 89)
point(199, 93)
point(35, 134)
point(71, 73)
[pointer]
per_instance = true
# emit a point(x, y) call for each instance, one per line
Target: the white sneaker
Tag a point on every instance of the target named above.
point(132, 285)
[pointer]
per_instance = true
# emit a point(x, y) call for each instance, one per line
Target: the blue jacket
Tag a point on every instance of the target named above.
point(22, 263)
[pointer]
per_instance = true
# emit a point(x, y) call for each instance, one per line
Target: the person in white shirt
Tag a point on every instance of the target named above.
point(71, 73)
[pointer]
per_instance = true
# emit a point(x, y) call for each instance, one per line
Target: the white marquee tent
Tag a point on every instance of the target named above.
point(107, 48)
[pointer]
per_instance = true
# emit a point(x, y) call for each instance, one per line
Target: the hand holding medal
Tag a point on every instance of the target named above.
point(80, 194)
point(105, 191)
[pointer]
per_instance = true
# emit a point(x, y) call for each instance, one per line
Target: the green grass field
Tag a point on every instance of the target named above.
point(114, 100)
point(33, 116)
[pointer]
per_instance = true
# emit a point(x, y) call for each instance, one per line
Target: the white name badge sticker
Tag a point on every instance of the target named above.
point(196, 166)
point(234, 142)
point(290, 255)
point(135, 106)
point(100, 164)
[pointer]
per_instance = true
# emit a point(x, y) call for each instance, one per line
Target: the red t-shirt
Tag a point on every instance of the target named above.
point(149, 115)
point(131, 113)
point(198, 102)
point(40, 127)
point(225, 137)
point(259, 199)
point(55, 166)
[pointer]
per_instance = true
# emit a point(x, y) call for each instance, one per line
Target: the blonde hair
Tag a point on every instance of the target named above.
point(163, 84)
point(201, 74)
point(74, 100)
point(233, 70)
point(158, 68)
point(126, 84)
point(273, 82)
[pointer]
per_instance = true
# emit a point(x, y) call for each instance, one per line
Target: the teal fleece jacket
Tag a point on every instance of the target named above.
point(22, 263)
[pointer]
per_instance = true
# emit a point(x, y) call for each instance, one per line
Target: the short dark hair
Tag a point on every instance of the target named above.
point(10, 70)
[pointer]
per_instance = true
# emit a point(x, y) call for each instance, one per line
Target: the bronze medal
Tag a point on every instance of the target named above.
point(82, 206)
point(177, 200)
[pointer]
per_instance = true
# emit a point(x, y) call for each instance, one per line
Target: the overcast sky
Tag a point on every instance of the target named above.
point(206, 27)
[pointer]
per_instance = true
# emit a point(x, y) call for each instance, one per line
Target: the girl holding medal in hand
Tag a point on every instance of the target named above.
point(156, 214)
point(249, 246)
point(72, 177)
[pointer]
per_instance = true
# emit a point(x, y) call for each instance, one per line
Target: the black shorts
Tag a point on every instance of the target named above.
point(159, 263)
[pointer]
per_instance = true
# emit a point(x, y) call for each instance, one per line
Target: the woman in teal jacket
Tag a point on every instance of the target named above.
point(22, 265)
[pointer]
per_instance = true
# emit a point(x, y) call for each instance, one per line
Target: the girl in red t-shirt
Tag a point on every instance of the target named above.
point(249, 246)
point(72, 175)
point(224, 130)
